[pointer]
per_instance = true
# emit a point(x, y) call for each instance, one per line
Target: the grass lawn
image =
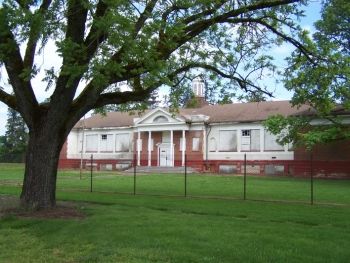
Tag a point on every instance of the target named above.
point(143, 228)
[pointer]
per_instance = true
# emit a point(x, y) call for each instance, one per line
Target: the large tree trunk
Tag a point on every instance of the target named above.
point(39, 185)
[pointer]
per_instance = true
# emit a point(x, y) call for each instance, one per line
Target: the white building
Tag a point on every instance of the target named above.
point(211, 137)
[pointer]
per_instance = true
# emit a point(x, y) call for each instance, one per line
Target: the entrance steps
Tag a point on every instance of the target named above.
point(160, 169)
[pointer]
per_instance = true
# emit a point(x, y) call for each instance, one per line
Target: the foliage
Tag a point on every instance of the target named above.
point(322, 80)
point(148, 44)
point(14, 143)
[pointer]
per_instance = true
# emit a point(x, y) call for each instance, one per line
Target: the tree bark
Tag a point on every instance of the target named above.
point(42, 156)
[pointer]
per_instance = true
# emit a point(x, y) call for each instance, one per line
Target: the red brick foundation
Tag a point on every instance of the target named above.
point(324, 169)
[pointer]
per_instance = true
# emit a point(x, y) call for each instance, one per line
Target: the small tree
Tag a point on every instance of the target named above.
point(16, 137)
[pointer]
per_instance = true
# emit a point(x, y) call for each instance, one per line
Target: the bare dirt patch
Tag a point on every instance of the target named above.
point(10, 205)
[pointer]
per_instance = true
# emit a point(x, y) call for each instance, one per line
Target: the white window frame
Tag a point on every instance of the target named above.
point(195, 144)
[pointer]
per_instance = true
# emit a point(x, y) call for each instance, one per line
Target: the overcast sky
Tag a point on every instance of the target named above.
point(49, 59)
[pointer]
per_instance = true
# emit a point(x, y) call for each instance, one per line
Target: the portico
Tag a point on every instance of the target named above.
point(161, 139)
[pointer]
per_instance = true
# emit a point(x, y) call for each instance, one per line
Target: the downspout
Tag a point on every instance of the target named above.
point(206, 125)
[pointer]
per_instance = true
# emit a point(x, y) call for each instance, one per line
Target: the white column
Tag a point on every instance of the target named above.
point(149, 148)
point(183, 147)
point(172, 147)
point(239, 140)
point(138, 148)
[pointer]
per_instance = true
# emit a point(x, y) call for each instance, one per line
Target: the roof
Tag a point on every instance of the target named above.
point(235, 112)
point(248, 112)
point(111, 119)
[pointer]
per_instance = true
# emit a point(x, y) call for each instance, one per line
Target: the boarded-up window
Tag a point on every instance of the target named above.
point(228, 141)
point(91, 143)
point(122, 142)
point(195, 144)
point(254, 140)
point(166, 137)
point(106, 143)
point(271, 143)
point(212, 144)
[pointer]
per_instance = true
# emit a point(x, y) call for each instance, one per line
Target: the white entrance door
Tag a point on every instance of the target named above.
point(165, 158)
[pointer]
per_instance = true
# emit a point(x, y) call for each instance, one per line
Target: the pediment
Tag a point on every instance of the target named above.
point(158, 116)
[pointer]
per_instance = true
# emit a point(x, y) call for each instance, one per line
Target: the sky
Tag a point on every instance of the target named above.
point(49, 59)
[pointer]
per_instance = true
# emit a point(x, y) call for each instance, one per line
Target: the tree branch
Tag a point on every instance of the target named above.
point(243, 83)
point(294, 42)
point(35, 32)
point(195, 28)
point(144, 16)
point(8, 99)
point(19, 78)
point(67, 82)
point(96, 35)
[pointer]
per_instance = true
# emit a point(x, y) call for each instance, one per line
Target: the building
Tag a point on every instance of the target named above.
point(212, 138)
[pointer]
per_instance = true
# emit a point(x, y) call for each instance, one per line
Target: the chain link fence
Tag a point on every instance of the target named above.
point(306, 181)
point(293, 181)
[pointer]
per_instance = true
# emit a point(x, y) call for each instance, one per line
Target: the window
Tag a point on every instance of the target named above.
point(122, 142)
point(212, 144)
point(160, 119)
point(227, 141)
point(271, 143)
point(91, 144)
point(255, 140)
point(245, 132)
point(166, 137)
point(195, 144)
point(106, 143)
point(250, 140)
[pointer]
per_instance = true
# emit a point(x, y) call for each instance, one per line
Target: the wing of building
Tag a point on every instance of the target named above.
point(208, 138)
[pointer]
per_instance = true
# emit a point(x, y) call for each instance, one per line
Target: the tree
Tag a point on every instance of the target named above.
point(16, 137)
point(322, 82)
point(105, 42)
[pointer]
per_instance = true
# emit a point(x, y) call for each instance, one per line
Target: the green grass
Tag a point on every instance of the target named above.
point(143, 228)
point(257, 187)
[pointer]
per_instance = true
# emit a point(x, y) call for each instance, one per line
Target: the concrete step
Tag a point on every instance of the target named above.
point(160, 169)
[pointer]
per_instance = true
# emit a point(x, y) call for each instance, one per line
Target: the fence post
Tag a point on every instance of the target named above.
point(245, 178)
point(91, 168)
point(134, 174)
point(311, 180)
point(81, 168)
point(185, 175)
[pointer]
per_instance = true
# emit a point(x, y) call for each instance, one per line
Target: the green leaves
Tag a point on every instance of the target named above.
point(103, 43)
point(288, 129)
point(323, 82)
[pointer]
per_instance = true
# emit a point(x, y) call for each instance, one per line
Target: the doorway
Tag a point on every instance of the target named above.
point(165, 156)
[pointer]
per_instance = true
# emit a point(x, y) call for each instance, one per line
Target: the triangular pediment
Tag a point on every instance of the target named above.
point(158, 116)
